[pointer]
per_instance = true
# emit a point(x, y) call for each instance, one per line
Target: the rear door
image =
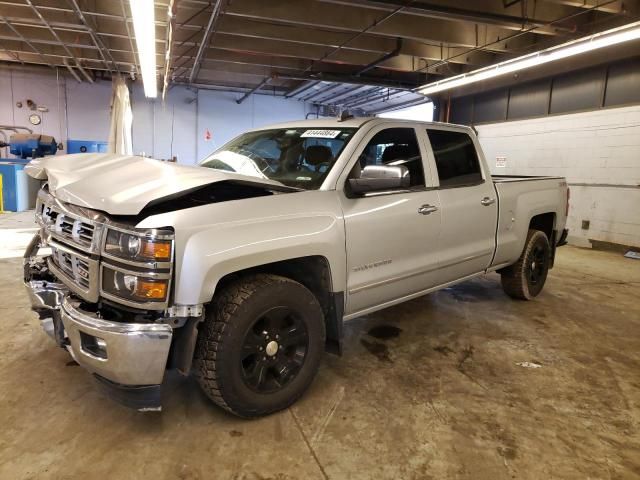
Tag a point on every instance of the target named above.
point(468, 204)
point(392, 236)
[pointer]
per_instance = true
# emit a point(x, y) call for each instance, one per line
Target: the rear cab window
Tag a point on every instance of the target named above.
point(456, 158)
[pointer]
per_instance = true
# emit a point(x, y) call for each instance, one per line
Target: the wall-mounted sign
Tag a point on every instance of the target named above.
point(501, 162)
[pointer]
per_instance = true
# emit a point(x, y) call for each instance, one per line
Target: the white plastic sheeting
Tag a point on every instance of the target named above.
point(120, 138)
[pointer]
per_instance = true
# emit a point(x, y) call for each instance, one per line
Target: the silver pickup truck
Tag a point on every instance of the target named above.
point(243, 269)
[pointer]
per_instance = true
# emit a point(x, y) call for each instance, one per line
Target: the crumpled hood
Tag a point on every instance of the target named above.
point(124, 185)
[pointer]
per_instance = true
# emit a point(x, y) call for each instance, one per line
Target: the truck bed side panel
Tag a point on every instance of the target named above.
point(519, 202)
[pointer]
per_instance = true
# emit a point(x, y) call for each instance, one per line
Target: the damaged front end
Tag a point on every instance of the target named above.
point(111, 313)
point(45, 292)
point(127, 359)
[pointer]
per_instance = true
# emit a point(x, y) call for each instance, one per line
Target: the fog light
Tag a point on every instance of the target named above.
point(94, 346)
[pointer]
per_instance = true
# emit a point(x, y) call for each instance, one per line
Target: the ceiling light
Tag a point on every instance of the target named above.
point(575, 47)
point(144, 26)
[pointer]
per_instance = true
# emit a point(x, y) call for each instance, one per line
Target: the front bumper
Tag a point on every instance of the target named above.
point(128, 359)
point(128, 354)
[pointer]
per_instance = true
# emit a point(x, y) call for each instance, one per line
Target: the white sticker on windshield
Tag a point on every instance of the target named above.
point(321, 133)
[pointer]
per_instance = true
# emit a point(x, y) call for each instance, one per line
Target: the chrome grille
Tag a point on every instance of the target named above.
point(74, 266)
point(76, 235)
point(81, 271)
point(67, 226)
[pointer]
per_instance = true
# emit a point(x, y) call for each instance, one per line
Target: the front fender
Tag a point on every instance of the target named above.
point(222, 238)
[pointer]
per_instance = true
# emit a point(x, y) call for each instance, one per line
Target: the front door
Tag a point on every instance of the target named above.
point(391, 237)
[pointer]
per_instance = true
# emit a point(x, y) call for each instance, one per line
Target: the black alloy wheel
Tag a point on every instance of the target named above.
point(260, 345)
point(538, 265)
point(525, 279)
point(274, 350)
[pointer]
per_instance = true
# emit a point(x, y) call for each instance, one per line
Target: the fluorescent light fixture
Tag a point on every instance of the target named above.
point(144, 26)
point(575, 47)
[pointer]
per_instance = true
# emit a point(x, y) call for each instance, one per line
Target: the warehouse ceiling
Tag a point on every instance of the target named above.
point(364, 54)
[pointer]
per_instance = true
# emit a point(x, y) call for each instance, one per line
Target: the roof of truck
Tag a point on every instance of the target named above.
point(333, 122)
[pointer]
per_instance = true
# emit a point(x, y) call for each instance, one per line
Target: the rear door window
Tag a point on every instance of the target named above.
point(456, 158)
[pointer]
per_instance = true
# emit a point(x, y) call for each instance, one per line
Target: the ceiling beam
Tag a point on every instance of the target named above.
point(55, 35)
point(398, 106)
point(347, 78)
point(303, 87)
point(282, 49)
point(104, 52)
point(616, 7)
point(56, 59)
point(490, 13)
point(206, 36)
point(168, 45)
point(349, 92)
point(253, 90)
point(276, 91)
point(260, 30)
point(355, 19)
point(23, 39)
point(321, 92)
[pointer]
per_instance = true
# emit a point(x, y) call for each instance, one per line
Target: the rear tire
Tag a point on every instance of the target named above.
point(525, 279)
point(260, 346)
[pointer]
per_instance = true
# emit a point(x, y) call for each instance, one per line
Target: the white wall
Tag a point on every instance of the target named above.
point(178, 126)
point(162, 130)
point(219, 113)
point(165, 129)
point(599, 154)
point(88, 109)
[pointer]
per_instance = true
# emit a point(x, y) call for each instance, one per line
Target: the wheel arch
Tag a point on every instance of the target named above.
point(314, 272)
point(545, 222)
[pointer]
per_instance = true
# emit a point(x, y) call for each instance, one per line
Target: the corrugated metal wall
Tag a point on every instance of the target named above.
point(603, 86)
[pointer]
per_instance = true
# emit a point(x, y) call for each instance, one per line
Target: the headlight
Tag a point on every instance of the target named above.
point(137, 247)
point(137, 287)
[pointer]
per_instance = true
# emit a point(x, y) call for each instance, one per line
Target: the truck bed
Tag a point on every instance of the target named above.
point(520, 198)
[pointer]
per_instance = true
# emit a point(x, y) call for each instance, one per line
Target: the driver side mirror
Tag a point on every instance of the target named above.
point(376, 178)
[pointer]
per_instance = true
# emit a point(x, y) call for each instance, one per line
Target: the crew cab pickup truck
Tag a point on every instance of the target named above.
point(242, 269)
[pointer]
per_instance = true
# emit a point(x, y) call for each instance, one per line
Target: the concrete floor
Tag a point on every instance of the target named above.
point(441, 394)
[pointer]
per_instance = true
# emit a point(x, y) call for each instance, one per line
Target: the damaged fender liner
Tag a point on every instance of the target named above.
point(212, 193)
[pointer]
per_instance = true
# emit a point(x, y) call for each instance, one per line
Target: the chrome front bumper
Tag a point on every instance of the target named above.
point(128, 353)
point(124, 353)
point(125, 357)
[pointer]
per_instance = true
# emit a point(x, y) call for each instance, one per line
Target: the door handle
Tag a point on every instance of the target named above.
point(427, 209)
point(486, 201)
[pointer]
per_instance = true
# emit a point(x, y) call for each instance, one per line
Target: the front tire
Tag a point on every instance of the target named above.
point(525, 279)
point(260, 346)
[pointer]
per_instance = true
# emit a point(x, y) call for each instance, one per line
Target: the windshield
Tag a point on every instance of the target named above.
point(296, 157)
